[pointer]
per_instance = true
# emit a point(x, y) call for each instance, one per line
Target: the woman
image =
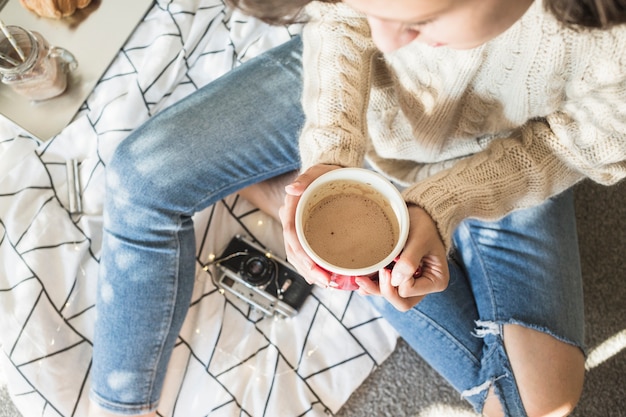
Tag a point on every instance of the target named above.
point(475, 107)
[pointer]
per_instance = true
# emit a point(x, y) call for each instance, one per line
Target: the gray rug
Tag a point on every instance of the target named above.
point(406, 386)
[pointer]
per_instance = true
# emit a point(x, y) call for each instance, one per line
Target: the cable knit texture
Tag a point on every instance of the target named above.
point(475, 133)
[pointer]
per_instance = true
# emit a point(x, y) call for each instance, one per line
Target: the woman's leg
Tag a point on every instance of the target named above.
point(532, 287)
point(239, 130)
point(549, 372)
point(511, 320)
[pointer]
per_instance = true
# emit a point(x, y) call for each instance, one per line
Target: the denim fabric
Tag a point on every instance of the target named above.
point(239, 130)
point(244, 128)
point(523, 269)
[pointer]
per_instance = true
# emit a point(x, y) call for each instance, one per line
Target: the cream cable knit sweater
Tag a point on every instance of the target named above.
point(474, 133)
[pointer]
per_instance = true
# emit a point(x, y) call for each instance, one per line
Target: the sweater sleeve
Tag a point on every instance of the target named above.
point(519, 172)
point(337, 61)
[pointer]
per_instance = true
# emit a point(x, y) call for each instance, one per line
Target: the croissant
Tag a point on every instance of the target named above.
point(55, 9)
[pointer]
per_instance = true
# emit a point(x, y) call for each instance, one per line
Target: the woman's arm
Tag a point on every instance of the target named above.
point(337, 61)
point(518, 172)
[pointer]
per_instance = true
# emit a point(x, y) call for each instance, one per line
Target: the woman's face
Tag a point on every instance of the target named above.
point(458, 24)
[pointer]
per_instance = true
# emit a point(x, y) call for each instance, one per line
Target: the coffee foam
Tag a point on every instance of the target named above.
point(351, 226)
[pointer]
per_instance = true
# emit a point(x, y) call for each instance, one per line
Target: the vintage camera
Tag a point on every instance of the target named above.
point(264, 281)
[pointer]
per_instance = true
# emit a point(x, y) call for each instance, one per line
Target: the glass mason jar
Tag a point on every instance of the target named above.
point(33, 68)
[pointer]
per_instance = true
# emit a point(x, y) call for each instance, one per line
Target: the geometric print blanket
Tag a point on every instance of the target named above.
point(229, 359)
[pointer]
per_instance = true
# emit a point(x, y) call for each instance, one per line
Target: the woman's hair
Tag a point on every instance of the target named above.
point(581, 13)
point(275, 12)
point(588, 13)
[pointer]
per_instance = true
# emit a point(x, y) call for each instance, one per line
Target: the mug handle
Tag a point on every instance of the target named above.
point(65, 56)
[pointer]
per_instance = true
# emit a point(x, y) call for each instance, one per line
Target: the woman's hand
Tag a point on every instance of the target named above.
point(287, 213)
point(424, 249)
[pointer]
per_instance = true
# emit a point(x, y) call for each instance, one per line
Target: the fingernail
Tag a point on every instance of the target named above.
point(289, 188)
point(399, 274)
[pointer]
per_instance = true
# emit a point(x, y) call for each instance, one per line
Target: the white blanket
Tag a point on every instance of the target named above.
point(229, 359)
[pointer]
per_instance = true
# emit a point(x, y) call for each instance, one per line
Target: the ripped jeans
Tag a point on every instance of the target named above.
point(523, 269)
point(244, 128)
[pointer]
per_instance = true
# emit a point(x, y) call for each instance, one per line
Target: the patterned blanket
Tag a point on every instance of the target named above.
point(229, 360)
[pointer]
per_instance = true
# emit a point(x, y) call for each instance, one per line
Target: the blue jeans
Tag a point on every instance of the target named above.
point(523, 269)
point(242, 129)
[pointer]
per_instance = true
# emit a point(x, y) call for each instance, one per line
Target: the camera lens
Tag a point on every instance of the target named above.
point(257, 270)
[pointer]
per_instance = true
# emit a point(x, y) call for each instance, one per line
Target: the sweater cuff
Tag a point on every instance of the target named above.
point(441, 204)
point(324, 146)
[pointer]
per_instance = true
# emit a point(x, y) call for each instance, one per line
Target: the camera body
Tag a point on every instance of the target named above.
point(266, 282)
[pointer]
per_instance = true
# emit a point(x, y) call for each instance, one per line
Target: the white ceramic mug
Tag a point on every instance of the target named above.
point(359, 183)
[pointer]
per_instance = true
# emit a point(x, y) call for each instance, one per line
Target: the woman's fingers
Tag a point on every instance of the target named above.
point(421, 268)
point(392, 294)
point(424, 251)
point(287, 214)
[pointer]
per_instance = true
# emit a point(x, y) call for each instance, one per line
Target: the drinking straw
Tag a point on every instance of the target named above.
point(11, 39)
point(9, 60)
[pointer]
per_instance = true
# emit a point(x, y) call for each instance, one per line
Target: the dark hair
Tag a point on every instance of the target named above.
point(275, 12)
point(588, 13)
point(581, 13)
